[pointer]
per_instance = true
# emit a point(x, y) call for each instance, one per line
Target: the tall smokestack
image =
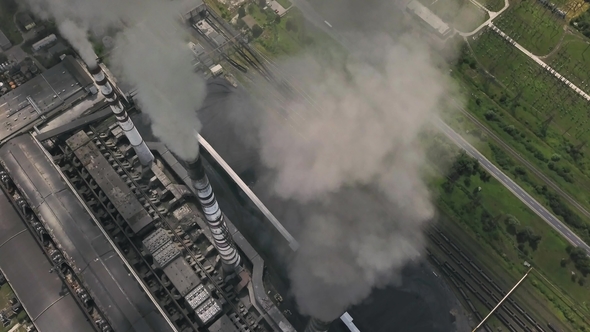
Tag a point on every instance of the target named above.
point(142, 151)
point(222, 240)
point(316, 325)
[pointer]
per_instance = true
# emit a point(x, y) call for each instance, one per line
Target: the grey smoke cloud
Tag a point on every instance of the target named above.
point(78, 38)
point(353, 162)
point(150, 53)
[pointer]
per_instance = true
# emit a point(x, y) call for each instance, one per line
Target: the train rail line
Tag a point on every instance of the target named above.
point(475, 285)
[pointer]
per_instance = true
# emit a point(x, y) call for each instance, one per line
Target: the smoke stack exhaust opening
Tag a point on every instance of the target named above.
point(145, 156)
point(316, 325)
point(222, 239)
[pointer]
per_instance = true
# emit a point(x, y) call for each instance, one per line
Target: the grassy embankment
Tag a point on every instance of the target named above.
point(532, 111)
point(508, 233)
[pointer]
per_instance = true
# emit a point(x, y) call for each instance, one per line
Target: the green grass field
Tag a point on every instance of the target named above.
point(285, 3)
point(484, 213)
point(537, 114)
point(493, 5)
point(532, 25)
point(572, 60)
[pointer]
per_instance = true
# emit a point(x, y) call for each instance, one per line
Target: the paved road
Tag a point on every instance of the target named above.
point(316, 19)
point(532, 168)
point(512, 186)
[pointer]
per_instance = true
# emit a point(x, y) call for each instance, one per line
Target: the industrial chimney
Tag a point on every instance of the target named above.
point(316, 325)
point(142, 151)
point(222, 239)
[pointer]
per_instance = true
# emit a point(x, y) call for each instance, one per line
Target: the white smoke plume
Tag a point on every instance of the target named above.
point(150, 53)
point(353, 162)
point(78, 38)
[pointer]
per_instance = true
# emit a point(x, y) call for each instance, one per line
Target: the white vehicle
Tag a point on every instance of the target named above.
point(328, 24)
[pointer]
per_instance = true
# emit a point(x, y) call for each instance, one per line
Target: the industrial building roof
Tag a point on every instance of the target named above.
point(76, 70)
point(55, 87)
point(111, 286)
point(428, 17)
point(28, 272)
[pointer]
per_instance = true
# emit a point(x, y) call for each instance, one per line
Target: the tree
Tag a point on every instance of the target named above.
point(563, 262)
point(262, 3)
point(241, 12)
point(512, 224)
point(278, 19)
point(581, 282)
point(256, 31)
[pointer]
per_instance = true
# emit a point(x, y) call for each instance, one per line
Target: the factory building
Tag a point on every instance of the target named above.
point(47, 41)
point(55, 89)
point(428, 19)
point(135, 236)
point(5, 44)
point(26, 21)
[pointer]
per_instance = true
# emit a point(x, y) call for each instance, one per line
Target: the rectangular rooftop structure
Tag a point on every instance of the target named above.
point(429, 18)
point(197, 296)
point(182, 276)
point(208, 310)
point(155, 240)
point(166, 253)
point(109, 181)
point(21, 107)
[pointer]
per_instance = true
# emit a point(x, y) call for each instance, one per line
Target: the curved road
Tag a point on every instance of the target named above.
point(315, 18)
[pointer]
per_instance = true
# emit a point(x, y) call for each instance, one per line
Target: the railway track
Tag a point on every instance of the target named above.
point(465, 274)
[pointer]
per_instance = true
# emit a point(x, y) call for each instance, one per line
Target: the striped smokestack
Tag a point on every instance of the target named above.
point(222, 239)
point(142, 151)
point(316, 325)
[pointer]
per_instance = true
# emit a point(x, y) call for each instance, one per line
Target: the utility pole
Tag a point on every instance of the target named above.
point(502, 300)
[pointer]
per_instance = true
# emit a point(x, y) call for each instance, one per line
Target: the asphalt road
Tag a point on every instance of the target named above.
point(520, 193)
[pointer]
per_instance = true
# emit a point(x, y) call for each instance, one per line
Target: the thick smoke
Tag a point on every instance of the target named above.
point(150, 53)
point(154, 55)
point(78, 38)
point(349, 154)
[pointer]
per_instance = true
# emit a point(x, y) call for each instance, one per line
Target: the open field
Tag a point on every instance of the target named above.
point(572, 60)
point(493, 5)
point(285, 3)
point(535, 113)
point(493, 216)
point(532, 25)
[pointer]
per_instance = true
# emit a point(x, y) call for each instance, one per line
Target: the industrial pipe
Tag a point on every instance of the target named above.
point(222, 239)
point(145, 156)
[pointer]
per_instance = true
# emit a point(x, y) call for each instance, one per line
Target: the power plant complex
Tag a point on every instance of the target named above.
point(105, 230)
point(131, 238)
